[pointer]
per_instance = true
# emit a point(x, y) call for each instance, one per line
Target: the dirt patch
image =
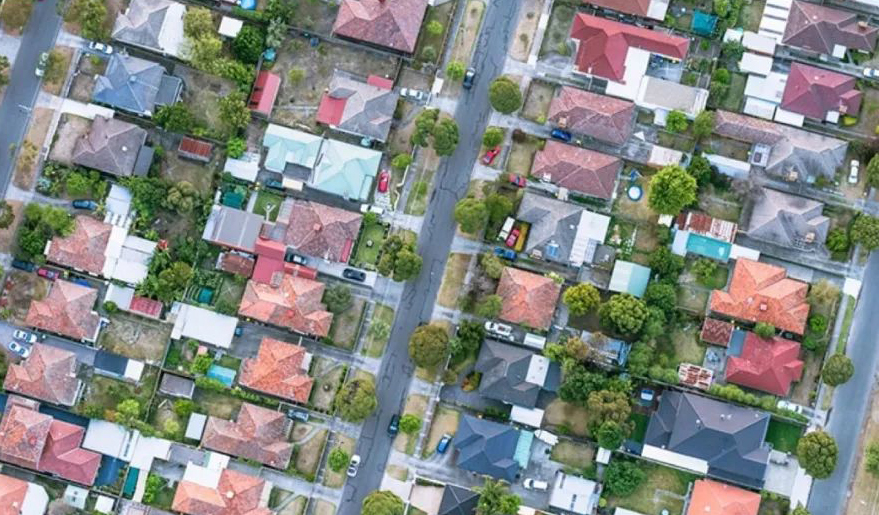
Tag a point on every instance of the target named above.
point(558, 31)
point(401, 130)
point(337, 479)
point(529, 16)
point(202, 94)
point(19, 290)
point(309, 454)
point(537, 101)
point(415, 405)
point(54, 87)
point(468, 31)
point(568, 418)
point(84, 81)
point(26, 167)
point(453, 280)
point(70, 129)
point(445, 421)
point(295, 507)
point(327, 376)
point(7, 236)
point(802, 390)
point(345, 327)
point(176, 169)
point(322, 507)
point(573, 454)
point(397, 472)
point(217, 404)
point(522, 155)
point(136, 337)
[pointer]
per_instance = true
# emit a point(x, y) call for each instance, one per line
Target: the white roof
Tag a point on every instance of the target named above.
point(662, 156)
point(119, 295)
point(636, 67)
point(134, 369)
point(758, 43)
point(245, 167)
point(195, 426)
point(532, 417)
point(171, 36)
point(657, 9)
point(623, 511)
point(75, 496)
point(675, 459)
point(147, 449)
point(110, 439)
point(839, 51)
point(208, 477)
point(769, 88)
point(738, 251)
point(127, 258)
point(104, 504)
point(789, 118)
point(657, 94)
point(603, 455)
point(573, 494)
point(770, 26)
point(35, 500)
point(755, 63)
point(592, 228)
point(537, 370)
point(679, 243)
point(759, 108)
point(742, 168)
point(732, 35)
point(203, 325)
point(230, 27)
point(118, 201)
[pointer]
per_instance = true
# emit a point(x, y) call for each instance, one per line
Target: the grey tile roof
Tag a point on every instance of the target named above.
point(233, 228)
point(729, 437)
point(487, 447)
point(505, 373)
point(368, 109)
point(458, 500)
point(552, 221)
point(132, 84)
point(786, 219)
point(142, 23)
point(111, 146)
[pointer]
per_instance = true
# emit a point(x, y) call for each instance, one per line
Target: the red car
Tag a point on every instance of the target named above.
point(517, 180)
point(48, 273)
point(489, 156)
point(384, 178)
point(513, 237)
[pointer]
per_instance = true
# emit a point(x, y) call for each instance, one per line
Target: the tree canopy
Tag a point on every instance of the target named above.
point(429, 345)
point(356, 399)
point(817, 454)
point(472, 214)
point(625, 313)
point(865, 231)
point(671, 190)
point(504, 95)
point(496, 499)
point(581, 298)
point(622, 478)
point(838, 369)
point(382, 502)
point(676, 121)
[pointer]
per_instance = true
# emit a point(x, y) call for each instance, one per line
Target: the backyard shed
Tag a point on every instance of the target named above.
point(194, 149)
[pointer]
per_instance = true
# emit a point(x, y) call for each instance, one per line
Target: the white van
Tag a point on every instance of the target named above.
point(506, 228)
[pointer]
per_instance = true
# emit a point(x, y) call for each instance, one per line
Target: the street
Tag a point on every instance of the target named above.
point(435, 240)
point(21, 92)
point(851, 400)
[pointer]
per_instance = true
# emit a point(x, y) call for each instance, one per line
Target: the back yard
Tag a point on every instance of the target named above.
point(664, 489)
point(136, 337)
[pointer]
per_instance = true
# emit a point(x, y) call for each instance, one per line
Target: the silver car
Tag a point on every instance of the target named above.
point(25, 336)
point(353, 465)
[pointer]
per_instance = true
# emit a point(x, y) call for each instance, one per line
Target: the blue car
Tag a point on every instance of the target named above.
point(443, 443)
point(561, 135)
point(27, 266)
point(505, 253)
point(91, 205)
point(80, 281)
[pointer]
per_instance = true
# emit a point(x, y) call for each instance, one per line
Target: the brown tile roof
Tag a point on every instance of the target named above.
point(766, 365)
point(322, 231)
point(235, 494)
point(12, 494)
point(528, 299)
point(716, 332)
point(604, 118)
point(636, 7)
point(48, 374)
point(700, 223)
point(819, 28)
point(279, 369)
point(258, 434)
point(64, 457)
point(716, 498)
point(746, 128)
point(84, 248)
point(236, 264)
point(579, 169)
point(760, 292)
point(110, 146)
point(294, 304)
point(393, 24)
point(67, 310)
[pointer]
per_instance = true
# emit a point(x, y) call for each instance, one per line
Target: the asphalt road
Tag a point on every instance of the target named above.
point(21, 92)
point(829, 496)
point(435, 240)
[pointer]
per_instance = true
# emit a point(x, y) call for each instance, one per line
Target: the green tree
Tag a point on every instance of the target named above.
point(154, 485)
point(175, 118)
point(407, 264)
point(201, 364)
point(284, 11)
point(181, 197)
point(491, 265)
point(445, 137)
point(401, 162)
point(424, 124)
point(338, 459)
point(434, 28)
point(625, 313)
point(455, 70)
point(817, 454)
point(171, 428)
point(703, 125)
point(492, 137)
point(338, 298)
point(296, 75)
point(379, 330)
point(428, 53)
point(704, 269)
point(865, 231)
point(16, 13)
point(410, 424)
point(275, 32)
point(234, 111)
point(499, 207)
point(91, 16)
point(184, 407)
point(671, 190)
point(872, 171)
point(198, 22)
point(496, 499)
point(662, 295)
point(581, 299)
point(204, 52)
point(429, 345)
point(504, 95)
point(382, 502)
point(700, 168)
point(676, 121)
point(356, 399)
point(249, 44)
point(838, 240)
point(610, 435)
point(608, 405)
point(871, 458)
point(128, 412)
point(818, 323)
point(235, 147)
point(764, 330)
point(56, 67)
point(77, 184)
point(472, 214)
point(490, 306)
point(838, 369)
point(800, 510)
point(622, 478)
point(4, 70)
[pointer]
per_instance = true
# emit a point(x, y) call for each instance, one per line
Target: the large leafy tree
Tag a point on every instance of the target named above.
point(197, 22)
point(496, 499)
point(445, 137)
point(581, 298)
point(608, 406)
point(837, 370)
point(671, 190)
point(338, 298)
point(676, 121)
point(865, 231)
point(234, 111)
point(249, 44)
point(625, 313)
point(703, 125)
point(872, 171)
point(817, 453)
point(382, 502)
point(356, 399)
point(622, 478)
point(429, 345)
point(663, 295)
point(91, 16)
point(472, 214)
point(504, 95)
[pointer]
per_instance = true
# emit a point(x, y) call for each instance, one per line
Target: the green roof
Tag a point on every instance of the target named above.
point(346, 170)
point(629, 278)
point(289, 146)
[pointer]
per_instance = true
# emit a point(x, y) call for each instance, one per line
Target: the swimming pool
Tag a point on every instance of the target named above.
point(222, 374)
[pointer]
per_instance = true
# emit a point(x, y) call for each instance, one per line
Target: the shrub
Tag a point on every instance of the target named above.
point(410, 424)
point(504, 95)
point(622, 478)
point(818, 323)
point(338, 459)
point(838, 369)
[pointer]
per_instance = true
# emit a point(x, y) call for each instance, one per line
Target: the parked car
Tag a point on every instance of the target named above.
point(80, 281)
point(275, 184)
point(384, 180)
point(27, 266)
point(562, 135)
point(101, 47)
point(91, 205)
point(21, 350)
point(505, 253)
point(41, 64)
point(517, 180)
point(535, 484)
point(871, 73)
point(394, 425)
point(298, 414)
point(499, 329)
point(48, 273)
point(443, 444)
point(414, 94)
point(853, 171)
point(489, 156)
point(469, 75)
point(238, 330)
point(511, 239)
point(791, 406)
point(353, 465)
point(292, 257)
point(25, 336)
point(506, 228)
point(354, 274)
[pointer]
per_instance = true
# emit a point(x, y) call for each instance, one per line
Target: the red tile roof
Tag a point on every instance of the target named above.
point(716, 498)
point(813, 92)
point(604, 45)
point(12, 494)
point(322, 231)
point(278, 369)
point(579, 169)
point(48, 374)
point(294, 304)
point(760, 292)
point(819, 28)
point(265, 92)
point(380, 82)
point(528, 299)
point(604, 118)
point(66, 310)
point(393, 24)
point(145, 306)
point(258, 434)
point(196, 149)
point(766, 365)
point(700, 223)
point(235, 494)
point(716, 332)
point(84, 248)
point(64, 457)
point(236, 264)
point(636, 7)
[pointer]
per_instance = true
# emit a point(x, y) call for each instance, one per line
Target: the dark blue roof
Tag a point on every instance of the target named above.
point(487, 447)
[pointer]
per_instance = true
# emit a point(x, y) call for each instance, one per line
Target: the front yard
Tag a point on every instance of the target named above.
point(415, 405)
point(522, 153)
point(372, 236)
point(445, 421)
point(328, 375)
point(453, 280)
point(555, 40)
point(379, 331)
point(346, 325)
point(468, 31)
point(309, 443)
point(784, 435)
point(19, 290)
point(337, 479)
point(537, 101)
point(105, 393)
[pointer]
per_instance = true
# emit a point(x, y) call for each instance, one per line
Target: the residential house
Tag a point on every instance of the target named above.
point(760, 292)
point(491, 449)
point(664, 96)
point(788, 220)
point(265, 92)
point(820, 29)
point(606, 119)
point(245, 167)
point(126, 299)
point(279, 369)
point(458, 500)
point(293, 303)
point(201, 324)
point(177, 386)
point(629, 277)
point(271, 263)
point(48, 374)
point(361, 107)
point(389, 25)
point(620, 53)
point(820, 94)
point(114, 147)
point(67, 310)
point(318, 230)
point(561, 232)
point(703, 235)
point(709, 437)
point(39, 442)
point(578, 169)
point(653, 9)
point(514, 375)
point(155, 25)
point(718, 498)
point(716, 332)
point(574, 494)
point(528, 299)
point(233, 228)
point(18, 497)
point(136, 85)
point(208, 491)
point(769, 365)
point(258, 434)
point(237, 264)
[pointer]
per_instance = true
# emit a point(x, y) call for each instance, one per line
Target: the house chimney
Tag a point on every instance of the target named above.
point(763, 306)
point(316, 227)
point(230, 494)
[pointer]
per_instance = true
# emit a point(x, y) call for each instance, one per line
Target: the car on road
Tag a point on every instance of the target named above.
point(513, 237)
point(561, 135)
point(297, 414)
point(505, 253)
point(101, 47)
point(275, 184)
point(41, 64)
point(469, 75)
point(384, 180)
point(91, 205)
point(17, 348)
point(499, 329)
point(489, 156)
point(535, 484)
point(854, 168)
point(27, 266)
point(517, 180)
point(354, 274)
point(443, 444)
point(353, 465)
point(870, 73)
point(80, 281)
point(25, 336)
point(48, 273)
point(292, 257)
point(394, 425)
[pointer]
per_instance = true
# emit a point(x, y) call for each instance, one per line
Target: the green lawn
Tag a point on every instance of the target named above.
point(639, 429)
point(736, 92)
point(783, 435)
point(367, 254)
point(265, 198)
point(416, 204)
point(374, 346)
point(664, 489)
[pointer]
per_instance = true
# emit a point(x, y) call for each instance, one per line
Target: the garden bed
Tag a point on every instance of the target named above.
point(345, 326)
point(443, 15)
point(374, 345)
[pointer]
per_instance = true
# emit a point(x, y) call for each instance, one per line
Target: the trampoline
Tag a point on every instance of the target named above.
point(635, 192)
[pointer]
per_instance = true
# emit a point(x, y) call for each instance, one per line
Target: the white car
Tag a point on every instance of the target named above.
point(414, 94)
point(101, 47)
point(21, 350)
point(535, 484)
point(853, 171)
point(352, 465)
point(499, 329)
point(870, 73)
point(24, 336)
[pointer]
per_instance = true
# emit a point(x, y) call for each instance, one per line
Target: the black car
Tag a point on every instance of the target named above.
point(292, 257)
point(297, 414)
point(354, 274)
point(27, 266)
point(394, 426)
point(469, 75)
